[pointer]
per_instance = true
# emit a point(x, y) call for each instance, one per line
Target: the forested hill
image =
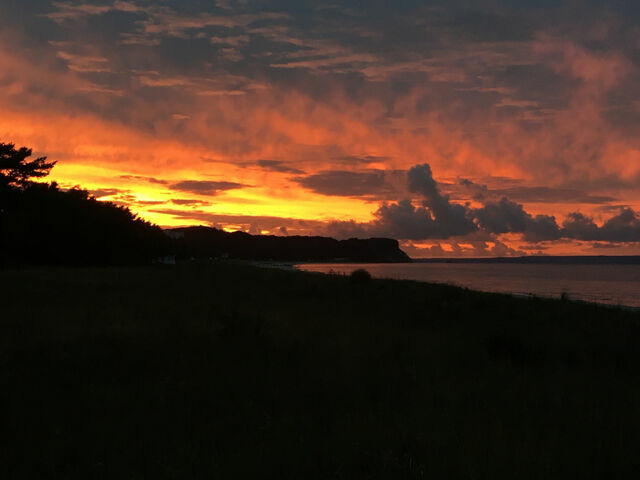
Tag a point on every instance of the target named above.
point(205, 242)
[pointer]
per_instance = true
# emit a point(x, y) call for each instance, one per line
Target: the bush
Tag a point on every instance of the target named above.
point(360, 277)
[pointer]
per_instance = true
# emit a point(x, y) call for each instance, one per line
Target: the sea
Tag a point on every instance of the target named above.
point(612, 283)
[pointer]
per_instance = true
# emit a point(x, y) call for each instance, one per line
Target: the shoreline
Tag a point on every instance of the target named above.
point(485, 278)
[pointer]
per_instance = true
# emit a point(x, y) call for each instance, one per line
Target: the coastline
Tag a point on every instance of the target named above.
point(603, 284)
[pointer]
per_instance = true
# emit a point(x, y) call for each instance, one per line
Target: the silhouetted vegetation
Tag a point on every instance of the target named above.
point(360, 276)
point(40, 224)
point(205, 242)
point(17, 170)
point(222, 370)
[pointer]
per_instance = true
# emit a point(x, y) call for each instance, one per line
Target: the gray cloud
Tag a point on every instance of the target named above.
point(449, 218)
point(204, 187)
point(624, 227)
point(348, 184)
point(532, 194)
point(542, 194)
point(506, 216)
point(404, 220)
point(277, 166)
point(438, 218)
point(502, 217)
point(477, 192)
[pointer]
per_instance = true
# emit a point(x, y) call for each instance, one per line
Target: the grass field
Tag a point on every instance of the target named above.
point(223, 370)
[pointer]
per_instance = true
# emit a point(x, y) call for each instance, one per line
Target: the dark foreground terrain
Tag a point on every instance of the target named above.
point(221, 370)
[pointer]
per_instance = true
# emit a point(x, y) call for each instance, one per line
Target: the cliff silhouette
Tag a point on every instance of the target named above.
point(207, 242)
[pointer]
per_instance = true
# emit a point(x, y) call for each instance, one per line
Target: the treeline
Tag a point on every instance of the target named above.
point(41, 224)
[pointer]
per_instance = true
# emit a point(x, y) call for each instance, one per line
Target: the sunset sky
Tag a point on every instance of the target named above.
point(458, 127)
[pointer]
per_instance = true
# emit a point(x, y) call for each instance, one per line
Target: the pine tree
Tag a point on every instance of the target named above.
point(15, 168)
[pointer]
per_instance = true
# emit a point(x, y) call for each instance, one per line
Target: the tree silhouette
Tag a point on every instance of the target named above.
point(16, 170)
point(41, 224)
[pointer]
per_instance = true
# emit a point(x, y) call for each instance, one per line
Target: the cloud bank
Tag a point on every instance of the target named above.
point(438, 218)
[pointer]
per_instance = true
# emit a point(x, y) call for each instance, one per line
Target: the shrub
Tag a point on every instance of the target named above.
point(360, 276)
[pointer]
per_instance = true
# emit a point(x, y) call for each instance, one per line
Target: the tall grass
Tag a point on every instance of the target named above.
point(223, 370)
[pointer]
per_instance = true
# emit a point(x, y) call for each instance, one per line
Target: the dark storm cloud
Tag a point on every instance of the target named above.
point(624, 227)
point(610, 182)
point(277, 166)
point(438, 218)
point(205, 187)
point(552, 195)
point(506, 216)
point(502, 217)
point(406, 221)
point(449, 218)
point(476, 191)
point(536, 194)
point(347, 184)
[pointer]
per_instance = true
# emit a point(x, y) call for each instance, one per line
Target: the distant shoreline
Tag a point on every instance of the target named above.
point(601, 282)
point(540, 260)
point(544, 259)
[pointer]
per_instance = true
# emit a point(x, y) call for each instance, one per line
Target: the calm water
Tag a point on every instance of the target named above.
point(611, 284)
